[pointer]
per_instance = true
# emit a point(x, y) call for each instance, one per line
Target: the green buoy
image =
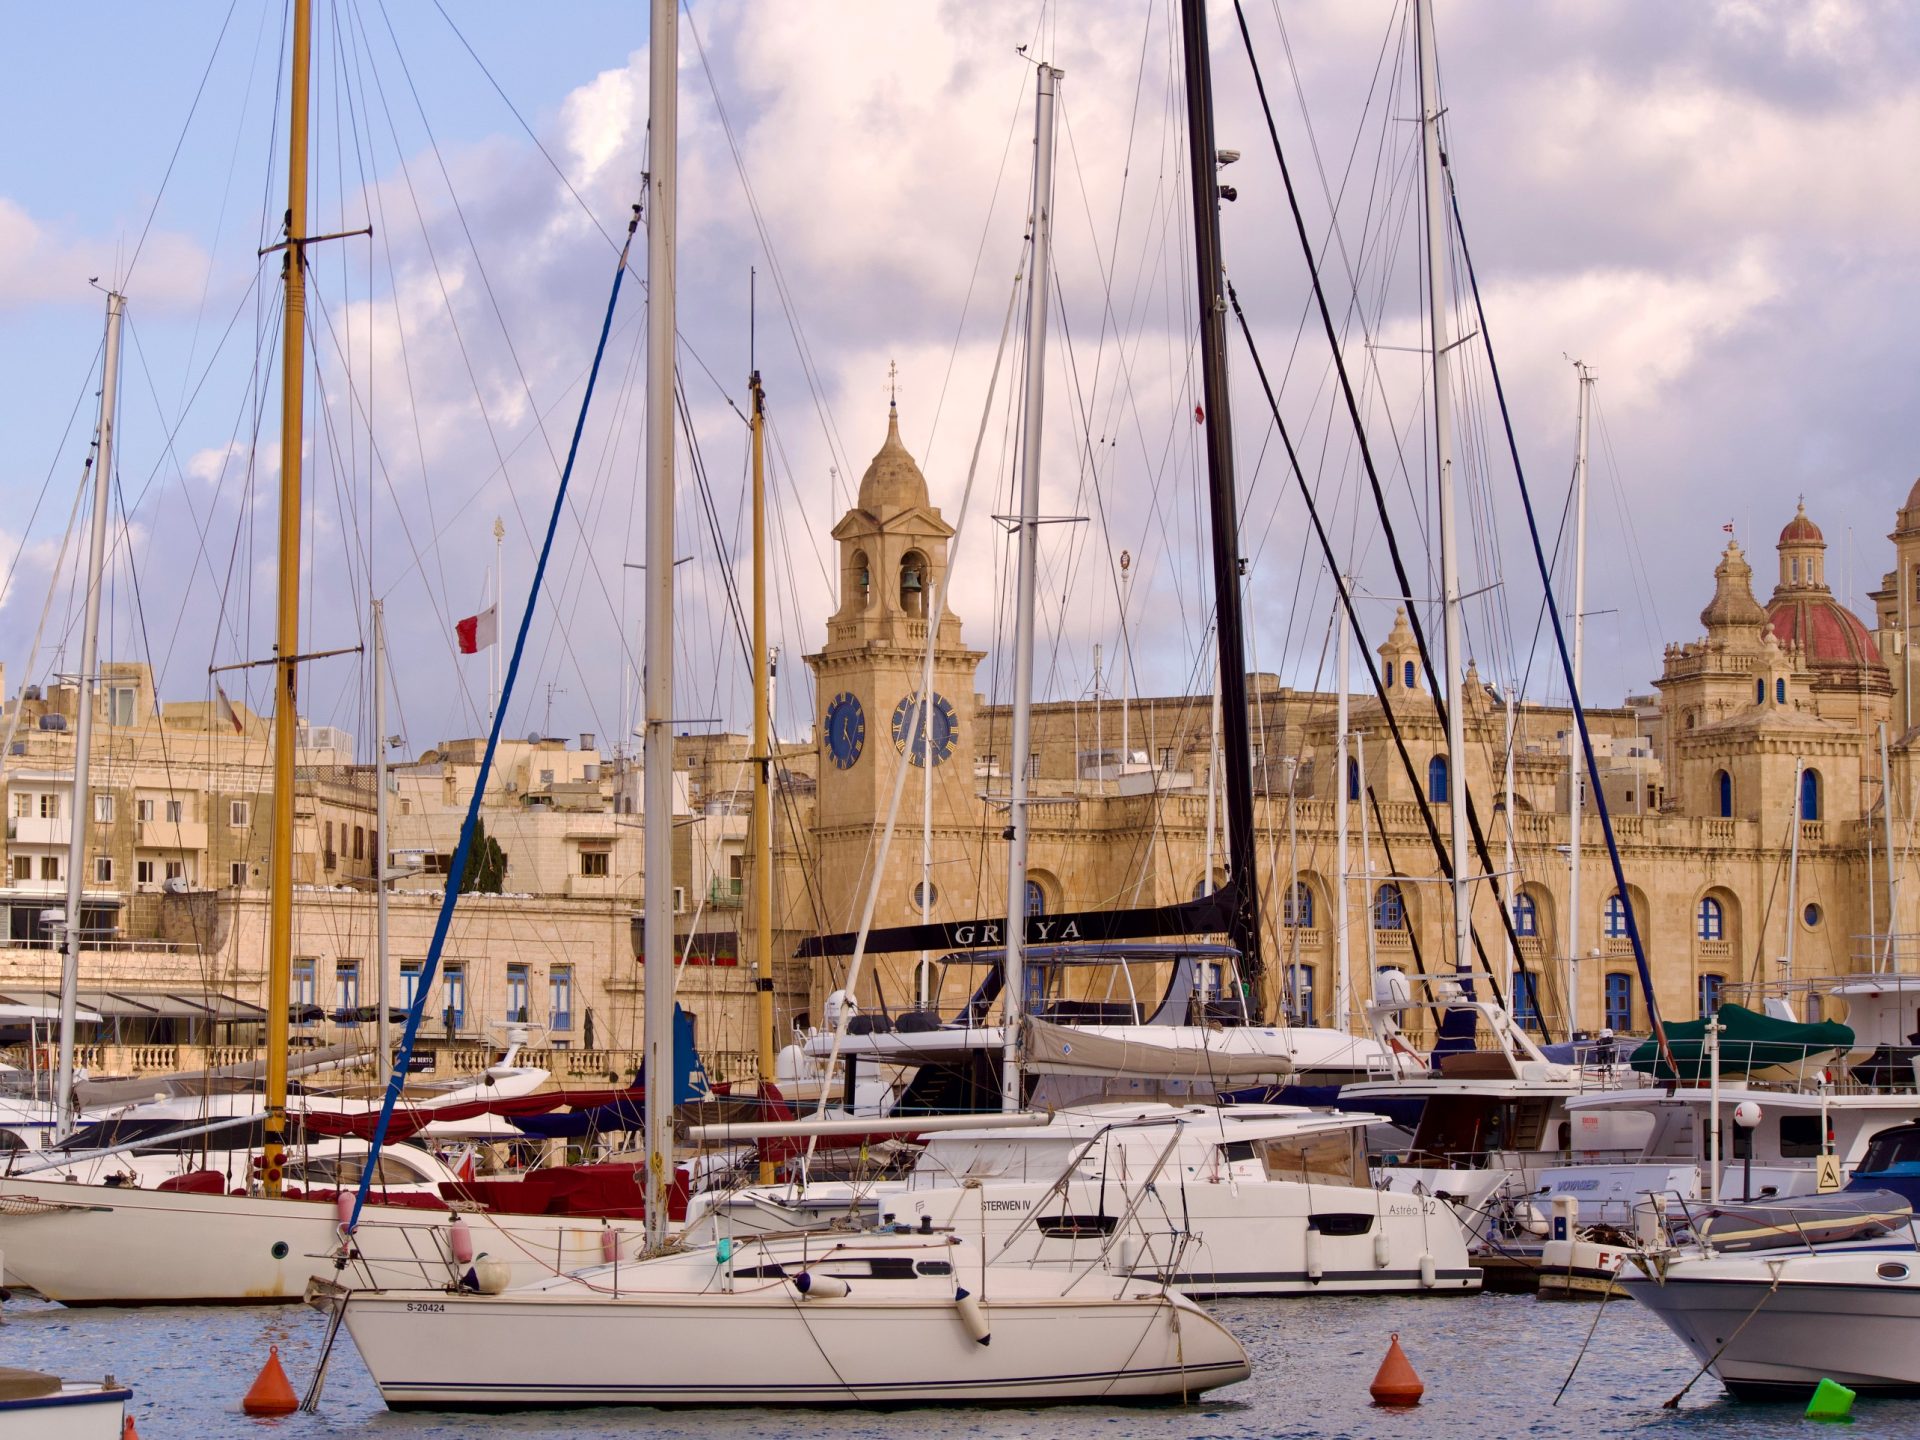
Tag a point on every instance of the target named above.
point(1831, 1401)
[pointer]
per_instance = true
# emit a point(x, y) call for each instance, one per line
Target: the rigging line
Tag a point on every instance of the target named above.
point(1448, 862)
point(1560, 641)
point(46, 608)
point(545, 154)
point(450, 893)
point(46, 483)
point(1366, 656)
point(126, 279)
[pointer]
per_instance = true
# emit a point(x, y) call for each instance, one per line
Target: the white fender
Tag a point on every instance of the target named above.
point(490, 1277)
point(821, 1287)
point(1316, 1266)
point(973, 1315)
point(1429, 1272)
point(1382, 1249)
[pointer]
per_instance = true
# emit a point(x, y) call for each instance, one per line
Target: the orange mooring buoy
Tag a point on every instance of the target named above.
point(272, 1393)
point(128, 1430)
point(1396, 1384)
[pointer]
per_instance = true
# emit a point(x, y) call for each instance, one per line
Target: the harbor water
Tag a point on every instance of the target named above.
point(1491, 1364)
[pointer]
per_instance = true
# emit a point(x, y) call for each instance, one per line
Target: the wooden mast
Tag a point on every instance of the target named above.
point(286, 714)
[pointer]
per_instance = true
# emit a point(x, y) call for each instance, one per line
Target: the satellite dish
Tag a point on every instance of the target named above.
point(533, 737)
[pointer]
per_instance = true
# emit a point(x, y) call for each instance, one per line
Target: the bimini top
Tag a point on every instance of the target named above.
point(1094, 952)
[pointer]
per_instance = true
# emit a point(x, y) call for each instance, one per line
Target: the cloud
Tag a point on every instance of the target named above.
point(43, 263)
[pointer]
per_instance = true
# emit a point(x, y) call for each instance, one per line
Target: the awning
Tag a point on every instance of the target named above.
point(116, 1007)
point(171, 1005)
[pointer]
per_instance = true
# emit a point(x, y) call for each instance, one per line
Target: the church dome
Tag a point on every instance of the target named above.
point(1733, 603)
point(893, 481)
point(1802, 531)
point(1830, 636)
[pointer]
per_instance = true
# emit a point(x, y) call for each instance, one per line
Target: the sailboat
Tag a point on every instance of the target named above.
point(877, 1317)
point(113, 1244)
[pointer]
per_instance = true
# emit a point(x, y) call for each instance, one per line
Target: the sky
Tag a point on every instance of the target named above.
point(1710, 204)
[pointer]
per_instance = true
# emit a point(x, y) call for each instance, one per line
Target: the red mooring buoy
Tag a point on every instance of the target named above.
point(272, 1392)
point(128, 1430)
point(1396, 1384)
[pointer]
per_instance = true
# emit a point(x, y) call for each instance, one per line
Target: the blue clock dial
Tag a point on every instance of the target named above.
point(846, 730)
point(942, 728)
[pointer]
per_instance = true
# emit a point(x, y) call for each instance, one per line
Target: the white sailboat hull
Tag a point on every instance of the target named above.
point(74, 1412)
point(433, 1351)
point(112, 1245)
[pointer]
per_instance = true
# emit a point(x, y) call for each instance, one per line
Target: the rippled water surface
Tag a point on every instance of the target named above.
point(1491, 1365)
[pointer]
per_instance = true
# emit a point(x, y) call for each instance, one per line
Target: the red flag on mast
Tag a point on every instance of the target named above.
point(479, 632)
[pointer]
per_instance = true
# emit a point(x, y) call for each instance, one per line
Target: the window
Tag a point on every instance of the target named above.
point(300, 985)
point(1299, 995)
point(1619, 1002)
point(103, 869)
point(1437, 780)
point(593, 862)
point(239, 813)
point(1033, 764)
point(22, 804)
point(237, 873)
point(560, 997)
point(1796, 570)
point(143, 872)
point(679, 899)
point(176, 869)
point(1526, 916)
point(23, 867)
point(49, 867)
point(925, 896)
point(120, 709)
point(359, 842)
point(1036, 898)
point(1916, 584)
point(176, 812)
point(1812, 915)
point(327, 843)
point(143, 811)
point(455, 1013)
point(546, 777)
point(1800, 1136)
point(50, 807)
point(1710, 986)
point(410, 971)
point(103, 809)
point(1526, 1000)
point(1616, 917)
point(1389, 670)
point(1809, 794)
point(1353, 778)
point(1298, 906)
point(1712, 920)
point(346, 979)
point(1759, 692)
point(1779, 692)
point(1723, 785)
point(517, 992)
point(1389, 909)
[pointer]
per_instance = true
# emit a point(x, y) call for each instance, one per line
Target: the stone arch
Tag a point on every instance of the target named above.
point(1812, 793)
point(1543, 918)
point(856, 583)
point(1043, 893)
point(915, 577)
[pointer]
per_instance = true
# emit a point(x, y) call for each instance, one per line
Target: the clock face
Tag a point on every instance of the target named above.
point(942, 727)
point(846, 728)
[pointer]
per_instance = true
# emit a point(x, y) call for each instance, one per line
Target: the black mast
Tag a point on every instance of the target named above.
point(1236, 742)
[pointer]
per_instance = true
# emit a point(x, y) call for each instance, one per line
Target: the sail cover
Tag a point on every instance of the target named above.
point(1750, 1044)
point(1180, 1055)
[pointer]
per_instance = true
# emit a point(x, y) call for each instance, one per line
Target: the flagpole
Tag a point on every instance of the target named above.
point(499, 591)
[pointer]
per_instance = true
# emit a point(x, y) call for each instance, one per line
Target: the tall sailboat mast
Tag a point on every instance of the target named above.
point(65, 1114)
point(383, 1022)
point(1028, 528)
point(1343, 947)
point(1576, 759)
point(663, 122)
point(1202, 163)
point(762, 760)
point(286, 711)
point(1453, 658)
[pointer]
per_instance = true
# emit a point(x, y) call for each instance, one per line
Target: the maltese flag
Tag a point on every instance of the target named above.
point(479, 632)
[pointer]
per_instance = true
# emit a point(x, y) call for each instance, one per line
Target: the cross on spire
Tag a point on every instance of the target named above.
point(893, 384)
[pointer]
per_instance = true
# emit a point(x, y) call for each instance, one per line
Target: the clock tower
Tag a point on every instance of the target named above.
point(893, 561)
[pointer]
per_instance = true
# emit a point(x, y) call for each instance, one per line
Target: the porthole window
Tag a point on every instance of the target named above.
point(925, 896)
point(1813, 915)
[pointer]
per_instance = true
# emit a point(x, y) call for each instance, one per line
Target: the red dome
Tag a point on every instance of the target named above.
point(1802, 531)
point(1831, 635)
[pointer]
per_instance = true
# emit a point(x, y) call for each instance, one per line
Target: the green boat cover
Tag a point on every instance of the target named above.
point(1749, 1041)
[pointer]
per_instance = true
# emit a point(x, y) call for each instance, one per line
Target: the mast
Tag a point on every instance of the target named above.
point(762, 762)
point(1013, 989)
point(383, 1027)
point(286, 706)
point(1576, 760)
point(1343, 974)
point(66, 1112)
point(663, 121)
point(1366, 854)
point(1202, 161)
point(497, 663)
point(1510, 885)
point(1793, 867)
point(1453, 658)
point(1893, 870)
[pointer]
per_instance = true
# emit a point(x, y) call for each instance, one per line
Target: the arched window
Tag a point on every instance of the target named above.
point(925, 985)
point(1796, 571)
point(1723, 783)
point(858, 579)
point(1710, 994)
point(1619, 1002)
point(1389, 668)
point(913, 583)
point(1437, 791)
point(1779, 692)
point(1759, 692)
point(1526, 916)
point(1389, 909)
point(1616, 917)
point(1809, 794)
point(1411, 684)
point(1036, 898)
point(1298, 906)
point(1713, 920)
point(1353, 778)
